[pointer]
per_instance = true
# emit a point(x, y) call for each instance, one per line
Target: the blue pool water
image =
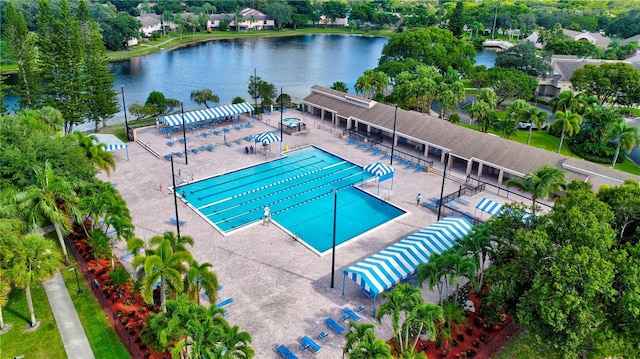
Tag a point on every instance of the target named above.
point(291, 121)
point(298, 190)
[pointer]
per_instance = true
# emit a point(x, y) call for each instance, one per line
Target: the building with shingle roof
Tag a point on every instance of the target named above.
point(563, 67)
point(593, 37)
point(480, 154)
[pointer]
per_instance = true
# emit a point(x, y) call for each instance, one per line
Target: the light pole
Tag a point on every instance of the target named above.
point(77, 280)
point(255, 90)
point(444, 175)
point(281, 132)
point(124, 109)
point(393, 138)
point(333, 252)
point(184, 137)
point(175, 197)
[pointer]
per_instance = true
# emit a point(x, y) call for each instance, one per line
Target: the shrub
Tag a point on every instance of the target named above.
point(454, 118)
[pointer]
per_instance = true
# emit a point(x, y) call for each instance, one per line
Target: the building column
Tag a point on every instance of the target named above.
point(500, 176)
point(480, 165)
point(469, 167)
point(322, 114)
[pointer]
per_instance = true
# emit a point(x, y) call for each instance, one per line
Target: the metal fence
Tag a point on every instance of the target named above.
point(503, 192)
point(116, 324)
point(497, 341)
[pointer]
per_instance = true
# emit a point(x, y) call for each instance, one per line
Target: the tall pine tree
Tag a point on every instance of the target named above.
point(102, 100)
point(62, 63)
point(21, 47)
point(456, 21)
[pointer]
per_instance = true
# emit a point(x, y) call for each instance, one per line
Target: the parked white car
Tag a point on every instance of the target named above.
point(526, 125)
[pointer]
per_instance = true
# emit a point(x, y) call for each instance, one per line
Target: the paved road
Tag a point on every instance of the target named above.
point(73, 336)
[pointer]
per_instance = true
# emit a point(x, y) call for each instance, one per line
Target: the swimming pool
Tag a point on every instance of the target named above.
point(298, 190)
point(291, 121)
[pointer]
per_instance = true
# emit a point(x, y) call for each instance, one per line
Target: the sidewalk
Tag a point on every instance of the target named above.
point(74, 339)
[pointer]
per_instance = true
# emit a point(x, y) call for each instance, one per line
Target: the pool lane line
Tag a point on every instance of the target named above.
point(265, 186)
point(259, 173)
point(227, 219)
point(276, 184)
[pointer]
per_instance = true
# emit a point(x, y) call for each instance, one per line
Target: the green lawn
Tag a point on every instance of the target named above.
point(44, 342)
point(103, 339)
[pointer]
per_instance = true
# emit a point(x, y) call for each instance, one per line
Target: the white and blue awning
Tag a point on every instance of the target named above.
point(206, 114)
point(381, 171)
point(110, 143)
point(267, 137)
point(383, 270)
point(489, 206)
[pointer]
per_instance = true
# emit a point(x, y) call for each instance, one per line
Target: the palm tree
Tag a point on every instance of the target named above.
point(453, 316)
point(340, 86)
point(461, 266)
point(33, 262)
point(5, 289)
point(570, 101)
point(202, 97)
point(176, 243)
point(234, 342)
point(478, 243)
point(95, 151)
point(370, 347)
point(356, 335)
point(569, 122)
point(200, 277)
point(537, 117)
point(425, 316)
point(394, 306)
point(625, 136)
point(164, 266)
point(48, 199)
point(540, 184)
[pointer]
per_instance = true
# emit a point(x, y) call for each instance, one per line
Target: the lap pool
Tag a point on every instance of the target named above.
point(298, 191)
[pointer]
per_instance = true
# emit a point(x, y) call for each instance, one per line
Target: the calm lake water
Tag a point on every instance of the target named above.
point(292, 63)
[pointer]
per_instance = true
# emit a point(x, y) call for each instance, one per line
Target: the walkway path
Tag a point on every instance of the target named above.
point(74, 339)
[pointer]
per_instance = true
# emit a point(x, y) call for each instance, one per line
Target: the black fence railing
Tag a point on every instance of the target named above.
point(400, 157)
point(502, 192)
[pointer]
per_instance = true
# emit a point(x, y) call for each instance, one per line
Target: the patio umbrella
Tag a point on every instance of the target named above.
point(380, 170)
point(267, 137)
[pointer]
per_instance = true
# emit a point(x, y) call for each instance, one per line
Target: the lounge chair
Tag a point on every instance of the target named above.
point(453, 206)
point(323, 335)
point(248, 124)
point(310, 343)
point(369, 149)
point(360, 309)
point(224, 303)
point(173, 221)
point(408, 165)
point(209, 148)
point(249, 138)
point(228, 144)
point(429, 205)
point(351, 141)
point(362, 145)
point(351, 314)
point(285, 352)
point(419, 168)
point(216, 132)
point(344, 317)
point(334, 325)
point(376, 152)
point(170, 143)
point(239, 141)
point(385, 156)
point(463, 201)
point(195, 150)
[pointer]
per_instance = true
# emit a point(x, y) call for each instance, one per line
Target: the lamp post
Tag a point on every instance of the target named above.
point(175, 197)
point(444, 175)
point(281, 132)
point(393, 138)
point(255, 90)
point(333, 252)
point(184, 137)
point(124, 109)
point(77, 280)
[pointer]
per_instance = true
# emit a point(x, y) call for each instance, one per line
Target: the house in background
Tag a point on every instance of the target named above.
point(593, 37)
point(340, 21)
point(563, 67)
point(251, 20)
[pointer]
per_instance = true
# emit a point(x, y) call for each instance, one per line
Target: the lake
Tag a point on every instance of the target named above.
point(292, 63)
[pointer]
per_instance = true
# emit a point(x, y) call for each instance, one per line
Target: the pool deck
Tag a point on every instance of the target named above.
point(280, 289)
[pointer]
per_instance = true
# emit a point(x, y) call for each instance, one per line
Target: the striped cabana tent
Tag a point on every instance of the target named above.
point(490, 206)
point(111, 143)
point(381, 171)
point(208, 114)
point(383, 270)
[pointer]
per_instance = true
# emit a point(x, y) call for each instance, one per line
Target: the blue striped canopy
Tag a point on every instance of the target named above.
point(490, 206)
point(378, 169)
point(110, 143)
point(267, 137)
point(385, 269)
point(206, 114)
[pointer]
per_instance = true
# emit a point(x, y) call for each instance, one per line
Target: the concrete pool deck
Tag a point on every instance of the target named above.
point(281, 289)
